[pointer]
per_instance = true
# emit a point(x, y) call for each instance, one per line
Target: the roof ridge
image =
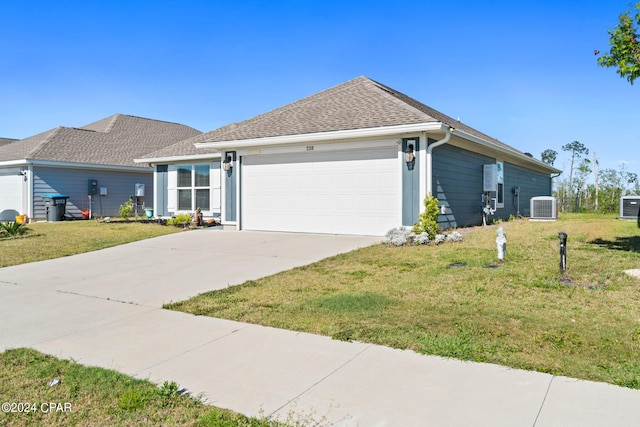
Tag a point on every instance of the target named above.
point(112, 123)
point(220, 132)
point(43, 142)
point(396, 97)
point(153, 120)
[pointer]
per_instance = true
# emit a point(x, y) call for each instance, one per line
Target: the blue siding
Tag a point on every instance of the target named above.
point(457, 183)
point(531, 184)
point(74, 183)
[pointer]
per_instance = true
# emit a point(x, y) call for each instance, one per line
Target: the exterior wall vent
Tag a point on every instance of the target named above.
point(544, 208)
point(629, 207)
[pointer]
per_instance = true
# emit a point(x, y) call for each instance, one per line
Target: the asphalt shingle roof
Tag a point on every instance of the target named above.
point(356, 104)
point(5, 141)
point(115, 140)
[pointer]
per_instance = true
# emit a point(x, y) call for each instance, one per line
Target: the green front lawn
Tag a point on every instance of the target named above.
point(47, 240)
point(520, 315)
point(40, 390)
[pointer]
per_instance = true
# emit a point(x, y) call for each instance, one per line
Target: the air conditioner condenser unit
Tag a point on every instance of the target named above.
point(629, 207)
point(544, 208)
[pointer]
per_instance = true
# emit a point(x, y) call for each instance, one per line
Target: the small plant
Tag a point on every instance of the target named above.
point(12, 228)
point(168, 392)
point(182, 219)
point(428, 220)
point(398, 236)
point(168, 389)
point(125, 208)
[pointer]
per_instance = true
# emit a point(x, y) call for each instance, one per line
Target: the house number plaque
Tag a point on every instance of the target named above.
point(309, 147)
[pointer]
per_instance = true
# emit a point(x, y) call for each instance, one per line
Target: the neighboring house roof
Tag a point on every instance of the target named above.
point(115, 140)
point(360, 103)
point(183, 149)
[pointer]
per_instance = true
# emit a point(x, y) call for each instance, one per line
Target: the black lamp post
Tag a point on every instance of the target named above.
point(563, 251)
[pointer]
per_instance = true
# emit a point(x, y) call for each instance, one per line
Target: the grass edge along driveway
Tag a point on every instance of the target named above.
point(523, 314)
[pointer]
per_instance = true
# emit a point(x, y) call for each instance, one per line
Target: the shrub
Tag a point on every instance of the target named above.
point(182, 219)
point(398, 236)
point(428, 220)
point(125, 208)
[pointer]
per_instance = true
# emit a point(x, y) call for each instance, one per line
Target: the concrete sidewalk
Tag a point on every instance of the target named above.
point(103, 309)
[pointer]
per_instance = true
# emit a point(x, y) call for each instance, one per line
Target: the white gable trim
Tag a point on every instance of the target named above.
point(173, 159)
point(323, 136)
point(53, 163)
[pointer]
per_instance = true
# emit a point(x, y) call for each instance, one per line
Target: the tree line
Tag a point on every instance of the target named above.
point(588, 188)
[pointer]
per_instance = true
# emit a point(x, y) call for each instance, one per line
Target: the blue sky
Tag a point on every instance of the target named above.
point(521, 71)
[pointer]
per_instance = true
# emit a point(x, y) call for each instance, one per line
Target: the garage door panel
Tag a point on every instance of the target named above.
point(11, 196)
point(353, 192)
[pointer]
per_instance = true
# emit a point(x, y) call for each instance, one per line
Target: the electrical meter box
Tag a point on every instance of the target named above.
point(93, 187)
point(490, 178)
point(139, 190)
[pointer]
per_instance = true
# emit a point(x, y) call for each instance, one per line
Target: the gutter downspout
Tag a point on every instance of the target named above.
point(551, 184)
point(430, 148)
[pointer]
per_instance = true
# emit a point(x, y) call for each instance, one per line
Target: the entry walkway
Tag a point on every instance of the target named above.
point(103, 308)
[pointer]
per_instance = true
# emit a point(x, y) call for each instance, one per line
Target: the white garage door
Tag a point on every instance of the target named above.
point(10, 196)
point(348, 192)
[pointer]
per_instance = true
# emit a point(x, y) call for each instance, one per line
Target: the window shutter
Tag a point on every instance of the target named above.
point(172, 192)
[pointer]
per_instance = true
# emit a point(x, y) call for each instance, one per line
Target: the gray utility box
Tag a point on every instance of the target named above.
point(55, 206)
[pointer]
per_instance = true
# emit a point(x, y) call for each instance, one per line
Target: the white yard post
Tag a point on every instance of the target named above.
point(501, 243)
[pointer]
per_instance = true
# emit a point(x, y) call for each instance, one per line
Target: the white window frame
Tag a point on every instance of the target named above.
point(193, 187)
point(214, 187)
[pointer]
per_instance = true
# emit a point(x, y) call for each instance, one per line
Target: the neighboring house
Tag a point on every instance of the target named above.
point(81, 162)
point(358, 158)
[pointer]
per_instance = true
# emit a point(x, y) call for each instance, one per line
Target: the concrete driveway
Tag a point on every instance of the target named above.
point(103, 309)
point(178, 266)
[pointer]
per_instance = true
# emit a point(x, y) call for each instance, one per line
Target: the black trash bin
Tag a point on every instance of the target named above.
point(55, 206)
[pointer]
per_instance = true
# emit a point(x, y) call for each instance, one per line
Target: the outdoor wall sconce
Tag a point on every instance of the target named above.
point(409, 154)
point(226, 164)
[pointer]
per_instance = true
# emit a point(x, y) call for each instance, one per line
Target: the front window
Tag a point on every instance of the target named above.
point(193, 187)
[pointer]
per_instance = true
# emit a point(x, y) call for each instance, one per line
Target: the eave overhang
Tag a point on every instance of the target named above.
point(324, 136)
point(75, 165)
point(173, 159)
point(351, 134)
